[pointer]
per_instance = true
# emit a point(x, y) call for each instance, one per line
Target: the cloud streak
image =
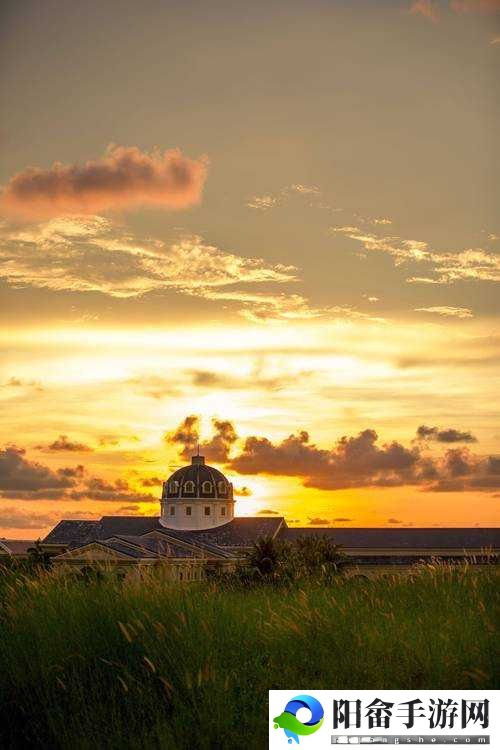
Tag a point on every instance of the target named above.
point(125, 178)
point(90, 254)
point(474, 264)
point(447, 311)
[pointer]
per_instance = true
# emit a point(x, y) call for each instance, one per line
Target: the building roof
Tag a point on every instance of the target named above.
point(77, 533)
point(16, 547)
point(197, 481)
point(138, 553)
point(434, 538)
point(193, 538)
point(242, 531)
point(163, 547)
point(73, 533)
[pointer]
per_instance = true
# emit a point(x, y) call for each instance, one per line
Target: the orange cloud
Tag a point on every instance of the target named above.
point(124, 178)
point(425, 8)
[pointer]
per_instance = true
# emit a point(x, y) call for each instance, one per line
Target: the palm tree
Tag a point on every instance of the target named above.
point(264, 556)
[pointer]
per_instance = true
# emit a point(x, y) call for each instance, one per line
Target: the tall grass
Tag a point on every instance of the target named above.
point(149, 665)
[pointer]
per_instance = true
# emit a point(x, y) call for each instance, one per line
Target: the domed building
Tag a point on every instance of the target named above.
point(197, 533)
point(196, 497)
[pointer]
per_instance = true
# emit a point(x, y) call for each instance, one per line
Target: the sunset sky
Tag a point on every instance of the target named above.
point(270, 227)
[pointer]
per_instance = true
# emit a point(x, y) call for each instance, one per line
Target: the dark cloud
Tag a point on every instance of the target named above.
point(127, 509)
point(15, 518)
point(17, 473)
point(208, 379)
point(33, 494)
point(97, 488)
point(216, 449)
point(450, 435)
point(204, 378)
point(267, 513)
point(63, 443)
point(12, 518)
point(124, 178)
point(294, 456)
point(353, 462)
point(72, 471)
point(242, 491)
point(458, 462)
point(460, 470)
point(318, 522)
point(105, 440)
point(18, 383)
point(151, 482)
point(187, 435)
point(393, 521)
point(360, 461)
point(21, 479)
point(342, 520)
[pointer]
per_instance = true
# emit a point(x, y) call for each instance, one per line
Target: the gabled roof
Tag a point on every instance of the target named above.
point(162, 547)
point(422, 538)
point(130, 550)
point(188, 537)
point(115, 547)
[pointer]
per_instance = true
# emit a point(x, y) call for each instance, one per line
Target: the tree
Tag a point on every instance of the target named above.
point(318, 557)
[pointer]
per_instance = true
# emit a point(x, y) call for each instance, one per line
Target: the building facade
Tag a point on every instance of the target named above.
point(197, 534)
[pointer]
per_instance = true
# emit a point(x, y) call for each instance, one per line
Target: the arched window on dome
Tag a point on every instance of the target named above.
point(189, 486)
point(223, 510)
point(206, 487)
point(174, 486)
point(221, 486)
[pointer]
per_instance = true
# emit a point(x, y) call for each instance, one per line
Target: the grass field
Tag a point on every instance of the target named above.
point(144, 665)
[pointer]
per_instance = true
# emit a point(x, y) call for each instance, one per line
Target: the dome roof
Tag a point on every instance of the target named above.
point(197, 481)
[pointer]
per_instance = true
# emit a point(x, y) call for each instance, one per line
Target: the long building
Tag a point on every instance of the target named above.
point(197, 532)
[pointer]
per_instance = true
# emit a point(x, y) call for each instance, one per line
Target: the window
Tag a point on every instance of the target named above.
point(172, 510)
point(174, 486)
point(206, 487)
point(189, 486)
point(222, 488)
point(207, 510)
point(188, 510)
point(223, 510)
